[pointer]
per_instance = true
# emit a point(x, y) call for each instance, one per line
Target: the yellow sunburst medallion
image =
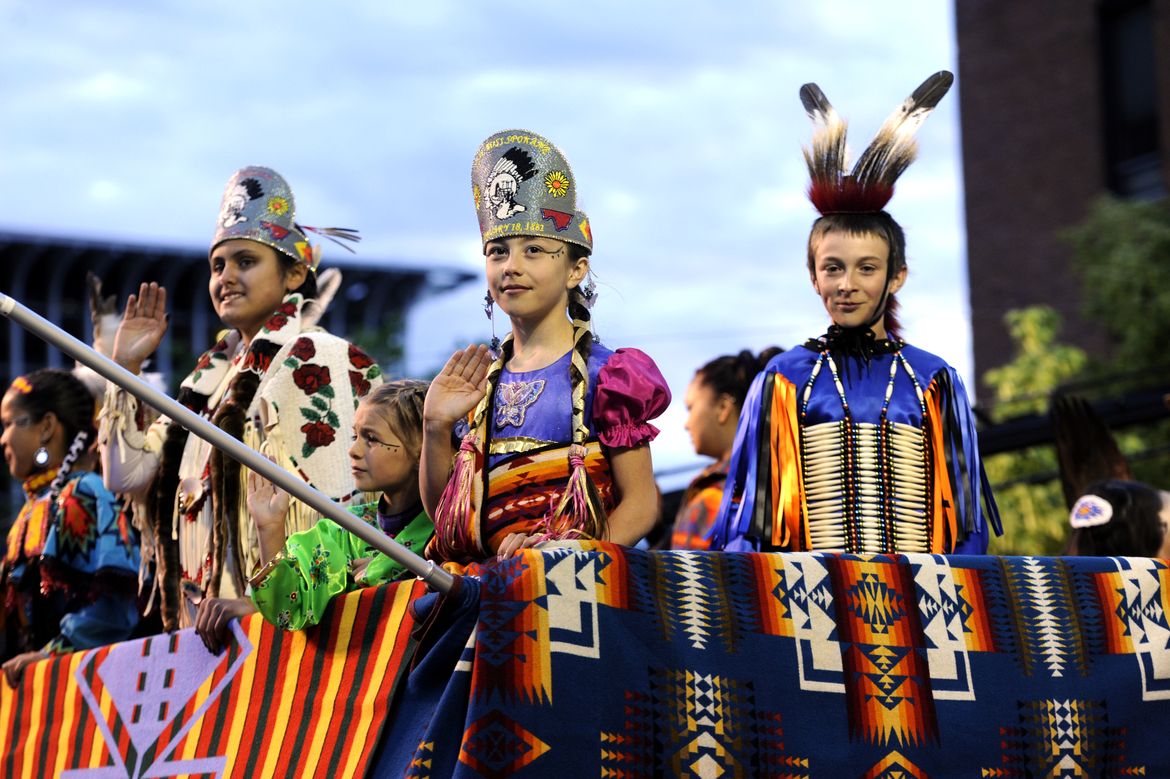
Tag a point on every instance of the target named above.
point(278, 205)
point(557, 184)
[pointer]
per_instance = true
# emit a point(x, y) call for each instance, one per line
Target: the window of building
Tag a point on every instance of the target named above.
point(1130, 85)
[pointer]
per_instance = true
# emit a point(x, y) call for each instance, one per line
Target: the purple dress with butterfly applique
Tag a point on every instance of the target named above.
point(530, 429)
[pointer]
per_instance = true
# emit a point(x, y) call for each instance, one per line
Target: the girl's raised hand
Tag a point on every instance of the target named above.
point(143, 325)
point(458, 387)
point(267, 504)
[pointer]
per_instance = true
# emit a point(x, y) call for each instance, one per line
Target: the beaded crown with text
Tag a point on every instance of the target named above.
point(523, 186)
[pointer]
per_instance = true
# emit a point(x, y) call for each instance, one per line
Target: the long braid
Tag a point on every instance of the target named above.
point(50, 390)
point(479, 418)
point(231, 417)
point(579, 366)
point(580, 511)
point(76, 449)
point(163, 518)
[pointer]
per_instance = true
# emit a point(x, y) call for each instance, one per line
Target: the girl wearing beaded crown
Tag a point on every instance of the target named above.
point(559, 433)
point(274, 380)
point(857, 441)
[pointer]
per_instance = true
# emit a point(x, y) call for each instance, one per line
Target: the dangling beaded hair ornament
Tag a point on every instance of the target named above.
point(489, 310)
point(1090, 511)
point(588, 292)
point(868, 486)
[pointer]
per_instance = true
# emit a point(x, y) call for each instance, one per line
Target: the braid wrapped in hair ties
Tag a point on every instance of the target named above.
point(580, 510)
point(456, 516)
point(76, 449)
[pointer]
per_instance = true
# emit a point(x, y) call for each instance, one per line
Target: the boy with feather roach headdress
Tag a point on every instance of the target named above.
point(857, 441)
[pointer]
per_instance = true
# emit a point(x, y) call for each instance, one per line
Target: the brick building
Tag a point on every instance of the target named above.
point(1062, 101)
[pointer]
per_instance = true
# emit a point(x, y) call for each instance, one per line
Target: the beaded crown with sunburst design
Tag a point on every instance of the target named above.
point(523, 186)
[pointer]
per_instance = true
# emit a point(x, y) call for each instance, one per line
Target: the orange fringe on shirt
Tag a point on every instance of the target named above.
point(789, 530)
point(944, 530)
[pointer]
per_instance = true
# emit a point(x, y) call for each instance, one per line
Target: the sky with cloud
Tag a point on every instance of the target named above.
point(681, 121)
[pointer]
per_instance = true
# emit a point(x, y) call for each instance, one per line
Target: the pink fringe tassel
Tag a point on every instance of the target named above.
point(454, 514)
point(577, 513)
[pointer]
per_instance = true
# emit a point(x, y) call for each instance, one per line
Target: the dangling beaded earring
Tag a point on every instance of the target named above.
point(589, 293)
point(489, 308)
point(41, 457)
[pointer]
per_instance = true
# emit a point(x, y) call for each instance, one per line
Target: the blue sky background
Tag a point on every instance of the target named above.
point(681, 120)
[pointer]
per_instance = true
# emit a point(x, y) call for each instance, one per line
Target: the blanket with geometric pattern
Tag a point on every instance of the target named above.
point(598, 660)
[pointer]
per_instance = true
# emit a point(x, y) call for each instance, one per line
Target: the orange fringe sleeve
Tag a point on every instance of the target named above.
point(788, 527)
point(944, 528)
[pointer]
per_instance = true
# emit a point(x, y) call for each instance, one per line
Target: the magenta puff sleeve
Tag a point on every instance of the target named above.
point(630, 391)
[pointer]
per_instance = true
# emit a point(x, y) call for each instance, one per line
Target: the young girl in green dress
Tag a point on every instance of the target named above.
point(306, 570)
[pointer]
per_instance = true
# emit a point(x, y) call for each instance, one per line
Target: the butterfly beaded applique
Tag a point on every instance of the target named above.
point(515, 398)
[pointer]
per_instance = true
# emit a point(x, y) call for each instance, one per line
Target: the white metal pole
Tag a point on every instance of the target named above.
point(435, 577)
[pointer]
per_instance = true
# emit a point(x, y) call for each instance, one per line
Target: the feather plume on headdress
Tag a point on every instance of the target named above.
point(870, 185)
point(334, 234)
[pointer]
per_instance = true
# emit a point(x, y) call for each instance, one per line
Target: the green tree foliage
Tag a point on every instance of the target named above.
point(1034, 515)
point(1040, 364)
point(1122, 251)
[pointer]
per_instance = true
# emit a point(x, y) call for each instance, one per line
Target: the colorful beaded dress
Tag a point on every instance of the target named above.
point(529, 442)
point(70, 569)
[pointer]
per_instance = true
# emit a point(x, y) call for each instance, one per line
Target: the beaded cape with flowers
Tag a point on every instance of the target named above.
point(306, 385)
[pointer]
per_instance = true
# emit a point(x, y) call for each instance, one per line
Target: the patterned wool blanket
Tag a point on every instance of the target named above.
point(602, 661)
point(595, 660)
point(274, 703)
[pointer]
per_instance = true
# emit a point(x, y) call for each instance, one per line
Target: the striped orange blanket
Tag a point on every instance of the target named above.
point(274, 703)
